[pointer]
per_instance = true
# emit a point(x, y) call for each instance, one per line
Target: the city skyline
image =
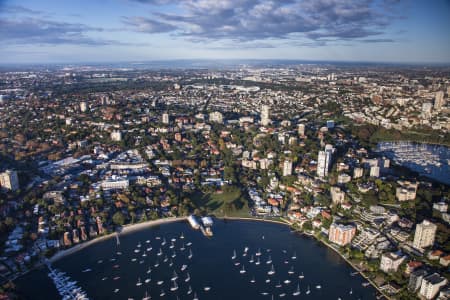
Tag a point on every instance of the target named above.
point(146, 30)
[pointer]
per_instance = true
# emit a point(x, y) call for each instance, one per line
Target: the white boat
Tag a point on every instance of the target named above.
point(160, 282)
point(182, 236)
point(173, 240)
point(189, 244)
point(188, 277)
point(267, 280)
point(86, 270)
point(162, 294)
point(318, 286)
point(237, 263)
point(174, 287)
point(234, 255)
point(269, 260)
point(271, 271)
point(149, 270)
point(308, 291)
point(297, 291)
point(137, 250)
point(291, 270)
point(253, 280)
point(160, 252)
point(282, 295)
point(100, 261)
point(146, 297)
point(259, 252)
point(156, 264)
point(104, 278)
point(157, 238)
point(193, 222)
point(287, 281)
point(301, 276)
point(141, 262)
point(351, 291)
point(257, 261)
point(195, 297)
point(294, 256)
point(172, 245)
point(144, 255)
point(139, 245)
point(189, 290)
point(242, 271)
point(174, 254)
point(119, 253)
point(174, 276)
point(139, 283)
point(182, 248)
point(116, 278)
point(147, 241)
point(252, 260)
point(206, 288)
point(166, 259)
point(245, 249)
point(163, 242)
point(278, 285)
point(116, 290)
point(171, 263)
point(264, 293)
point(183, 267)
point(149, 249)
point(148, 280)
point(190, 254)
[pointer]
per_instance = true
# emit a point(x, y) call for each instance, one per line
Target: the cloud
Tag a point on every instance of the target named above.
point(147, 25)
point(39, 31)
point(17, 9)
point(256, 20)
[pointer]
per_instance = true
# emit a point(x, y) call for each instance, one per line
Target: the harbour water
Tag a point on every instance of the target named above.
point(134, 269)
point(431, 161)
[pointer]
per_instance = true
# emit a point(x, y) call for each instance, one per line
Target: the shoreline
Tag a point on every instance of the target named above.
point(125, 230)
point(286, 222)
point(135, 227)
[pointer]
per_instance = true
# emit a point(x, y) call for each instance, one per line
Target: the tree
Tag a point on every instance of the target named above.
point(118, 218)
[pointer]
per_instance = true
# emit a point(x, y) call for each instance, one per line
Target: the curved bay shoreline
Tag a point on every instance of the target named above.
point(139, 226)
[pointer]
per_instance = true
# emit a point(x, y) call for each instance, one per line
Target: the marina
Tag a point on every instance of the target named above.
point(314, 265)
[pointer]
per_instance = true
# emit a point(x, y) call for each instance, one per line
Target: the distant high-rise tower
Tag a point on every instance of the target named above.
point(165, 118)
point(265, 117)
point(287, 167)
point(324, 161)
point(425, 233)
point(439, 100)
point(116, 135)
point(9, 180)
point(83, 106)
point(301, 130)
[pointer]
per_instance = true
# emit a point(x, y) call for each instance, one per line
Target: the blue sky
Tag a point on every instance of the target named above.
point(46, 31)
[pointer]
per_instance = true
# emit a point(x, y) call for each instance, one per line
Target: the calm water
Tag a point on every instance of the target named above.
point(211, 265)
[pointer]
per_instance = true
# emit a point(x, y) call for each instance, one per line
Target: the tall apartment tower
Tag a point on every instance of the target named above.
point(439, 100)
point(9, 180)
point(301, 130)
point(324, 161)
point(425, 234)
point(265, 115)
point(165, 118)
point(83, 106)
point(287, 167)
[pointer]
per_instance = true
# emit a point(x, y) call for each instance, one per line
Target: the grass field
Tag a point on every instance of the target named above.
point(217, 203)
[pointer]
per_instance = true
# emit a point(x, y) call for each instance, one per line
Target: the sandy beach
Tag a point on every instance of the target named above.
point(125, 230)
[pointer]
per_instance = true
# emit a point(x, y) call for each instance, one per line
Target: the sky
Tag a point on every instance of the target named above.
point(77, 31)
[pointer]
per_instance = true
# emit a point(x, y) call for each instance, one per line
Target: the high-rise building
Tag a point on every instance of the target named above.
point(424, 235)
point(415, 279)
point(287, 167)
point(301, 130)
point(265, 115)
point(216, 117)
point(427, 109)
point(341, 234)
point(439, 100)
point(9, 180)
point(375, 171)
point(116, 135)
point(337, 195)
point(391, 261)
point(324, 161)
point(358, 172)
point(165, 118)
point(431, 285)
point(83, 106)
